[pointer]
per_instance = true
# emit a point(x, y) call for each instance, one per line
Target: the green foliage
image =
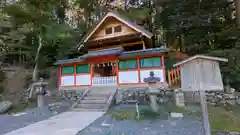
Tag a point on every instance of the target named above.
point(205, 27)
point(28, 19)
point(123, 114)
point(145, 113)
point(224, 118)
point(148, 114)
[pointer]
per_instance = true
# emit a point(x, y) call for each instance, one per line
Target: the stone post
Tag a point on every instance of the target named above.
point(179, 98)
point(153, 90)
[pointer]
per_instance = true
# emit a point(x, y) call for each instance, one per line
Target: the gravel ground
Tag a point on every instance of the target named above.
point(184, 126)
point(171, 126)
point(9, 123)
point(158, 127)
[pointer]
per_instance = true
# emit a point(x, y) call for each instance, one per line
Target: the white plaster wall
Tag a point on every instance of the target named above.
point(157, 73)
point(83, 79)
point(67, 80)
point(128, 77)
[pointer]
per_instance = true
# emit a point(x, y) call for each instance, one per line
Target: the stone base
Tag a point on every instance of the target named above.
point(141, 95)
point(222, 98)
point(72, 95)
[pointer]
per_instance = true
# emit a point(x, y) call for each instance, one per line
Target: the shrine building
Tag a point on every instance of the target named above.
point(119, 52)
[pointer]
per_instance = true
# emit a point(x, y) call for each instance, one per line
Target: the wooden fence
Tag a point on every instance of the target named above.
point(173, 76)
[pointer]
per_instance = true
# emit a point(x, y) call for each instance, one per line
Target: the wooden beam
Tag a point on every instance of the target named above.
point(114, 46)
point(111, 41)
point(144, 46)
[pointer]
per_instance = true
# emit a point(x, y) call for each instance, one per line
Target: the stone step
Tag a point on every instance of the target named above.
point(92, 94)
point(88, 110)
point(104, 88)
point(95, 98)
point(90, 106)
point(86, 101)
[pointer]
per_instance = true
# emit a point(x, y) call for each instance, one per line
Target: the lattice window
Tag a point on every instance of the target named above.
point(150, 62)
point(128, 64)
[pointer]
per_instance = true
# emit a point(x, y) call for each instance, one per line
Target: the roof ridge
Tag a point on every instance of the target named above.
point(149, 49)
point(106, 49)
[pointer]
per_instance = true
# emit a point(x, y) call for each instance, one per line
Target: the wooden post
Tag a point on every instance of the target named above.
point(144, 46)
point(91, 73)
point(60, 76)
point(205, 113)
point(117, 73)
point(138, 68)
point(169, 78)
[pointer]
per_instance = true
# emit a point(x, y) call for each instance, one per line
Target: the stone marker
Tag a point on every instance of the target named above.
point(179, 98)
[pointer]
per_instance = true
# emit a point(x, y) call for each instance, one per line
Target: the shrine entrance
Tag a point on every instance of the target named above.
point(104, 74)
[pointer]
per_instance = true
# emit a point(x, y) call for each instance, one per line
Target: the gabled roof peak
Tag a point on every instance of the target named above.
point(122, 19)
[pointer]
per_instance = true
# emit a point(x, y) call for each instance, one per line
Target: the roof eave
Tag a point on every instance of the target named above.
point(200, 56)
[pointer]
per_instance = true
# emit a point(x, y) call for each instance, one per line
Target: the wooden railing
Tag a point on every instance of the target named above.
point(173, 76)
point(101, 81)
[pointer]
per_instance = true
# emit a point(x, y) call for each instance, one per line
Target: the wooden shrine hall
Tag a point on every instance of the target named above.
point(119, 52)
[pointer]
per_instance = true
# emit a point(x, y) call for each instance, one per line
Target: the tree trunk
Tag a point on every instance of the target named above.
point(237, 6)
point(153, 21)
point(35, 71)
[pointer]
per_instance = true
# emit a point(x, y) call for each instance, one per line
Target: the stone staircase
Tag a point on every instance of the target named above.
point(96, 99)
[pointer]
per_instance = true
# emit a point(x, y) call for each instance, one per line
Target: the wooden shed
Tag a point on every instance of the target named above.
point(201, 73)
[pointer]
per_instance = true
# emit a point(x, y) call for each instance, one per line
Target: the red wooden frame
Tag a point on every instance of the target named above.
point(102, 59)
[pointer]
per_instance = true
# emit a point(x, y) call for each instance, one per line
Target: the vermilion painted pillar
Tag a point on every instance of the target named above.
point(117, 73)
point(138, 68)
point(91, 73)
point(59, 76)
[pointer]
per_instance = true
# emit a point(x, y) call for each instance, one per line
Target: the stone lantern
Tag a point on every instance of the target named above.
point(153, 90)
point(40, 91)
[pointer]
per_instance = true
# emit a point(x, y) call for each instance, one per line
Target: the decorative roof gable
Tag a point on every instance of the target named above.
point(123, 20)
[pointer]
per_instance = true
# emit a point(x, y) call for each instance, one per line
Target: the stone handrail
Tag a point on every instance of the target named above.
point(110, 100)
point(83, 95)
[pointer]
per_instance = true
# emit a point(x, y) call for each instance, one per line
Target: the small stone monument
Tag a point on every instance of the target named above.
point(179, 98)
point(153, 90)
point(40, 91)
